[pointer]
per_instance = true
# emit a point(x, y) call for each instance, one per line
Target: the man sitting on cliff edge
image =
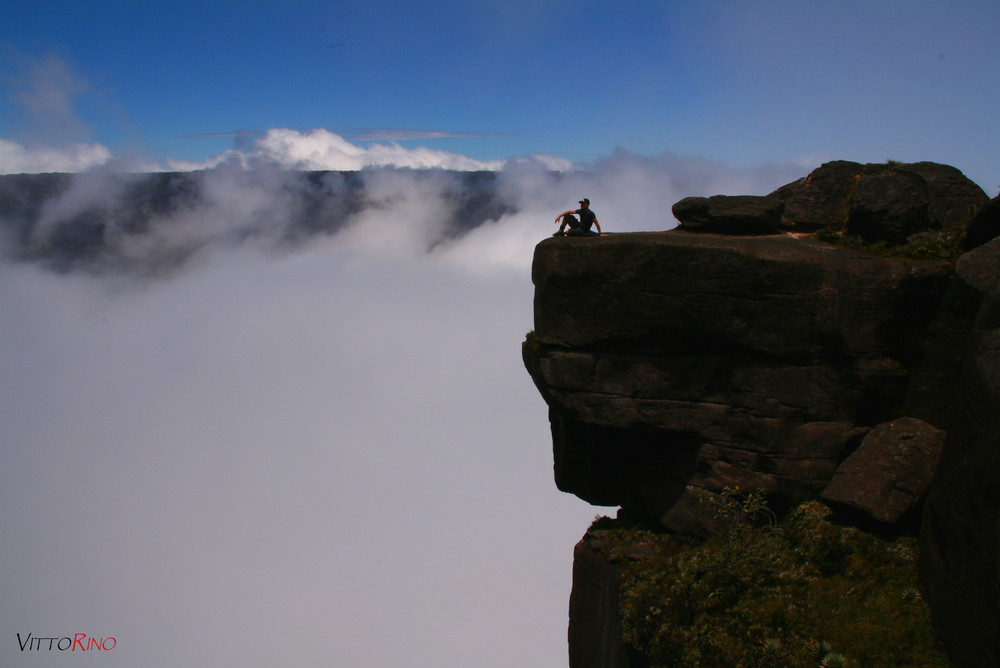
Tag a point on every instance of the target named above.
point(581, 227)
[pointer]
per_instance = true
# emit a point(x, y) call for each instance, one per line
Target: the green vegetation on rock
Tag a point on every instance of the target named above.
point(532, 341)
point(804, 593)
point(930, 245)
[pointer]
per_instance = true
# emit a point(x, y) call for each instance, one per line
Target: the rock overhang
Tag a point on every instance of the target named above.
point(708, 360)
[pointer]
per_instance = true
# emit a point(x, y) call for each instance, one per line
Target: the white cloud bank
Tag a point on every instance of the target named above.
point(278, 148)
point(318, 459)
point(323, 453)
point(386, 212)
point(321, 149)
point(15, 158)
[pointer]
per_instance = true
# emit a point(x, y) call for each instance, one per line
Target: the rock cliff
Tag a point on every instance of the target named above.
point(675, 362)
point(740, 349)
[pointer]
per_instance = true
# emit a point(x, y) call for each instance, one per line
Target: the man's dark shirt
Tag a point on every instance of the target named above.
point(587, 217)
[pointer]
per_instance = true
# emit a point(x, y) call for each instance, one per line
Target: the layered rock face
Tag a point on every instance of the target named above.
point(676, 362)
point(740, 350)
point(960, 538)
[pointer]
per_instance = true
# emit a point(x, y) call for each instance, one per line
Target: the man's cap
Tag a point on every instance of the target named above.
point(585, 201)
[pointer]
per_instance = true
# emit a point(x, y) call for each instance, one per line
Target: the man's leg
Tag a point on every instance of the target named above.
point(567, 220)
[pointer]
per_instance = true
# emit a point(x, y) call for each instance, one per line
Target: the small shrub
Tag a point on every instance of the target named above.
point(833, 660)
point(933, 245)
point(532, 341)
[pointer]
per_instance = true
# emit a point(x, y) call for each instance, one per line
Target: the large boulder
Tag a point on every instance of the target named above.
point(953, 199)
point(888, 205)
point(980, 267)
point(729, 214)
point(821, 199)
point(881, 202)
point(886, 478)
point(676, 362)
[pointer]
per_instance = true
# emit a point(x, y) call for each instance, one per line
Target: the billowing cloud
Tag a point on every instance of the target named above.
point(407, 134)
point(320, 149)
point(15, 158)
point(277, 148)
point(45, 93)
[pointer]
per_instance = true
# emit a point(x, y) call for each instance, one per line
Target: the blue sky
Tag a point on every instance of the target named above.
point(737, 82)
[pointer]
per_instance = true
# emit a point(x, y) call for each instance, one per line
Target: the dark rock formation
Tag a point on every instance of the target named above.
point(881, 202)
point(678, 362)
point(960, 537)
point(888, 205)
point(595, 639)
point(886, 478)
point(953, 199)
point(674, 362)
point(730, 214)
point(821, 199)
point(986, 225)
point(980, 267)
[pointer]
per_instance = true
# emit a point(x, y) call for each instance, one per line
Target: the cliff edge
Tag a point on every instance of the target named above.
point(742, 350)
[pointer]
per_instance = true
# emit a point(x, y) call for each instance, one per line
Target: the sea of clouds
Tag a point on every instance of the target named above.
point(297, 450)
